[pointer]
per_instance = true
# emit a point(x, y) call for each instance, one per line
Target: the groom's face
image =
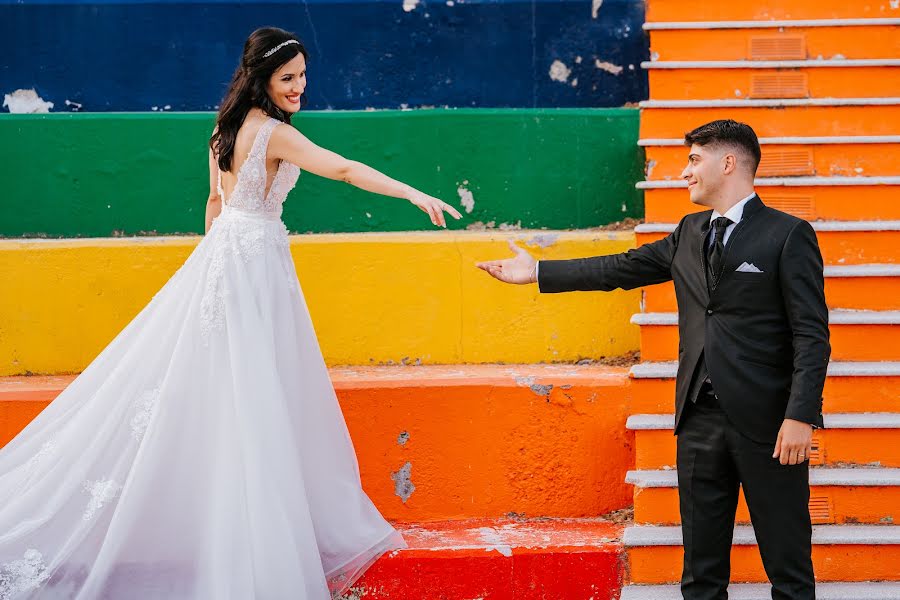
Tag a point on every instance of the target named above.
point(704, 173)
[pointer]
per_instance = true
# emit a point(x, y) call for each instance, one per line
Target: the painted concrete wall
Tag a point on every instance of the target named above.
point(139, 55)
point(375, 298)
point(100, 174)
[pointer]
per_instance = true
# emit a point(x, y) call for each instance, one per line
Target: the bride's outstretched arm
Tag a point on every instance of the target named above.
point(214, 202)
point(289, 144)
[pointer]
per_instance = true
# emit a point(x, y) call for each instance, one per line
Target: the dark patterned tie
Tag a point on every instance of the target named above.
point(716, 250)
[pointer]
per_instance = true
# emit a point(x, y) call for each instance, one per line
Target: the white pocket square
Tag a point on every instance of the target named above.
point(747, 268)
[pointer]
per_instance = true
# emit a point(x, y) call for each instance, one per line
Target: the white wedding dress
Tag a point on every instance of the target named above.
point(203, 454)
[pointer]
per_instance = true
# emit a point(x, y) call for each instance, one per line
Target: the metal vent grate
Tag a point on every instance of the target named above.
point(786, 163)
point(817, 452)
point(778, 47)
point(821, 509)
point(803, 207)
point(779, 85)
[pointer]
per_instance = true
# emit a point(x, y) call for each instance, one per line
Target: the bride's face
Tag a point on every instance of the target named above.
point(288, 83)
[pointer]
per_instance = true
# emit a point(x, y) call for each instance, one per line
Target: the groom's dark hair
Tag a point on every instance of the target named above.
point(726, 132)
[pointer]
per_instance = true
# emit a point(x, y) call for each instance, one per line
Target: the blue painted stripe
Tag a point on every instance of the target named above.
point(135, 56)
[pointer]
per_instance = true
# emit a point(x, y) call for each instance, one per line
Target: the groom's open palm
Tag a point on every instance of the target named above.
point(518, 269)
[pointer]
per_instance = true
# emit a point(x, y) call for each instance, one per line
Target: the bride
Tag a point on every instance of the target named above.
point(203, 454)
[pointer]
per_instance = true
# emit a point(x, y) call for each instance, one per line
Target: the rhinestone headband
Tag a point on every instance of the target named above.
point(279, 47)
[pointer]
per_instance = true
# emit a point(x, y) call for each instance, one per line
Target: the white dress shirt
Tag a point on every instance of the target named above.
point(735, 214)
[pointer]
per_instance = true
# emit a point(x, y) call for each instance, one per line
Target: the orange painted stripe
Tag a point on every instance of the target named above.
point(840, 247)
point(774, 122)
point(482, 440)
point(727, 84)
point(662, 564)
point(747, 10)
point(829, 160)
point(842, 395)
point(865, 505)
point(733, 44)
point(848, 342)
point(860, 293)
point(656, 447)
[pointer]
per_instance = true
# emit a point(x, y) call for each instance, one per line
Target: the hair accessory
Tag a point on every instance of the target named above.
point(279, 47)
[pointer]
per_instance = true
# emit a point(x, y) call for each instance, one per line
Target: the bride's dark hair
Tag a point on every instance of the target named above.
point(249, 85)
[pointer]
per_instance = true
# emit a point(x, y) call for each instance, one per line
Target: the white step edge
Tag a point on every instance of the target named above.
point(808, 140)
point(784, 181)
point(817, 225)
point(654, 535)
point(668, 369)
point(835, 317)
point(866, 590)
point(862, 477)
point(770, 102)
point(769, 64)
point(650, 422)
point(870, 270)
point(762, 24)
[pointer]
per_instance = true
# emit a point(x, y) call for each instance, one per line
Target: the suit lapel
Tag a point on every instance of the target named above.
point(750, 209)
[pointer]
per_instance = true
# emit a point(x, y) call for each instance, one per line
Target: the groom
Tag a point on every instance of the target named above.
point(752, 356)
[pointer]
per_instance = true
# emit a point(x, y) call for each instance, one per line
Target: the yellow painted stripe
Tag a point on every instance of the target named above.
point(374, 298)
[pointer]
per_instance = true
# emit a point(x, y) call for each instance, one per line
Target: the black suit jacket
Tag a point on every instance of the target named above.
point(764, 335)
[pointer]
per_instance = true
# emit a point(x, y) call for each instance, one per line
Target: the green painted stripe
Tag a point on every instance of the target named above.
point(107, 174)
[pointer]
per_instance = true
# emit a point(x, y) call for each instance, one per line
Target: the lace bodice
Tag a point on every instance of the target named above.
point(250, 190)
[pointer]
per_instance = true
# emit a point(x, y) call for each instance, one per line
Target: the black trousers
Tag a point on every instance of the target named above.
point(714, 461)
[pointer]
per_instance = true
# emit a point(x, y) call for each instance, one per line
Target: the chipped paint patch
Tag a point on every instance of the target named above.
point(466, 198)
point(543, 240)
point(542, 390)
point(410, 5)
point(559, 71)
point(403, 485)
point(403, 438)
point(23, 102)
point(494, 541)
point(608, 66)
point(595, 8)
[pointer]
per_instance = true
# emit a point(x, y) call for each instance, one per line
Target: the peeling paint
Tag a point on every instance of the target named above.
point(651, 164)
point(26, 102)
point(465, 197)
point(403, 485)
point(543, 240)
point(575, 82)
point(510, 226)
point(542, 390)
point(595, 7)
point(608, 66)
point(494, 541)
point(403, 438)
point(559, 71)
point(75, 106)
point(524, 381)
point(410, 5)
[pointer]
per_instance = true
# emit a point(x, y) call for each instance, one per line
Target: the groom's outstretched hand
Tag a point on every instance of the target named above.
point(519, 269)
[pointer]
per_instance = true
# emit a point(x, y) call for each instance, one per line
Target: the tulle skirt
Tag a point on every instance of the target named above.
point(202, 455)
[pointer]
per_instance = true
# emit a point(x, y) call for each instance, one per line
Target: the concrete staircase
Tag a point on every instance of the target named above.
point(819, 83)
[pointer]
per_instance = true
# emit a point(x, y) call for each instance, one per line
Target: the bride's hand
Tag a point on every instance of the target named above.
point(519, 269)
point(433, 207)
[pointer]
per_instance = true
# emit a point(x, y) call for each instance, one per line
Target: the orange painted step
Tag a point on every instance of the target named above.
point(855, 335)
point(841, 243)
point(789, 81)
point(437, 443)
point(865, 439)
point(832, 446)
point(823, 202)
point(849, 388)
point(773, 43)
point(787, 160)
point(674, 10)
point(837, 496)
point(790, 118)
point(840, 553)
point(859, 287)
